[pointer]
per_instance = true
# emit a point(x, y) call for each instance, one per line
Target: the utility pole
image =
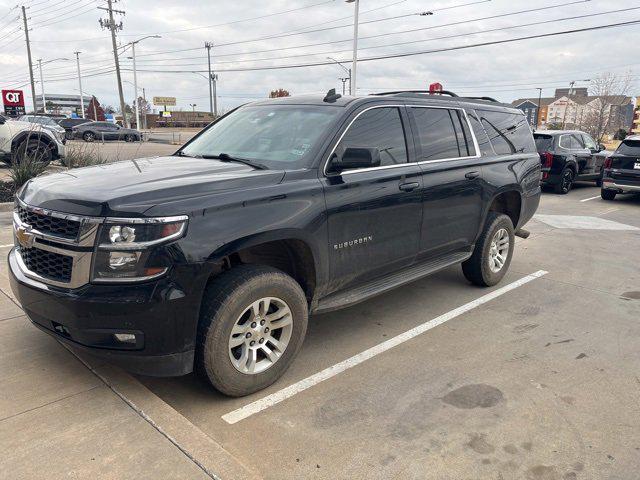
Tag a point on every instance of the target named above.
point(354, 75)
point(208, 46)
point(80, 82)
point(538, 111)
point(144, 97)
point(112, 26)
point(135, 84)
point(33, 84)
point(566, 107)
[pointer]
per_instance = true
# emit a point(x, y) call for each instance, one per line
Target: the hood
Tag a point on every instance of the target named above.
point(133, 186)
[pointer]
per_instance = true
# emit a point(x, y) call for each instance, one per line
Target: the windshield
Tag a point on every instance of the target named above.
point(629, 147)
point(278, 136)
point(544, 143)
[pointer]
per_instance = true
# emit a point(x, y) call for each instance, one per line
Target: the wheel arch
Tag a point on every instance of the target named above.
point(507, 201)
point(289, 250)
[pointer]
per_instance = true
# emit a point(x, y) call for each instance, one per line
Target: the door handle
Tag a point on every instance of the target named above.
point(408, 187)
point(471, 175)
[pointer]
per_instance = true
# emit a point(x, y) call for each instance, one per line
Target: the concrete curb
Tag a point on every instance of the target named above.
point(6, 206)
point(200, 448)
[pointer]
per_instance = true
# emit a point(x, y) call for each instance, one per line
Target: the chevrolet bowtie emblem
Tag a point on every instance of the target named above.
point(25, 237)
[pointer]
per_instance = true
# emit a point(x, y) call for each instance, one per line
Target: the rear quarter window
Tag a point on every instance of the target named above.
point(508, 132)
point(544, 143)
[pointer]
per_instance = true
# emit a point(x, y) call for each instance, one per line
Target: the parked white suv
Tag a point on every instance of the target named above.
point(18, 139)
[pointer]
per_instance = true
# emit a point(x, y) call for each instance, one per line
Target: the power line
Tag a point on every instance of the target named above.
point(328, 52)
point(422, 52)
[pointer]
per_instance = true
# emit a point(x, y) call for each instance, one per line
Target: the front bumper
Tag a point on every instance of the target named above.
point(160, 313)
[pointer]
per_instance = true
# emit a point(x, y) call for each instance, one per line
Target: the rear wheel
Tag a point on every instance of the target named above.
point(566, 181)
point(608, 194)
point(493, 251)
point(252, 324)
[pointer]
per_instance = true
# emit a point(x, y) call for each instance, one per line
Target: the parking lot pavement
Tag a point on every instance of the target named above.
point(538, 383)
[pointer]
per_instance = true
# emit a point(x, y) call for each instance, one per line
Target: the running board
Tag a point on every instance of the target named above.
point(376, 287)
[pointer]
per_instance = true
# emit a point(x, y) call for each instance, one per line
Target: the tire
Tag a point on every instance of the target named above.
point(227, 307)
point(478, 268)
point(129, 138)
point(68, 135)
point(34, 149)
point(566, 181)
point(88, 136)
point(608, 194)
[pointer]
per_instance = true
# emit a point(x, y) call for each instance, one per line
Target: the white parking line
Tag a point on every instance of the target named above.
point(7, 245)
point(587, 199)
point(277, 397)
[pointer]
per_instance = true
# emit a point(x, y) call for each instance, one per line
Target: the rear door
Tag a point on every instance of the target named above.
point(598, 159)
point(452, 179)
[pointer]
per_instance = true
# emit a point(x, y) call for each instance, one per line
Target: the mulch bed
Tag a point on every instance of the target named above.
point(6, 192)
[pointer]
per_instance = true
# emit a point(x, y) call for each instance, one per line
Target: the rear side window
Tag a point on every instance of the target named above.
point(381, 128)
point(544, 143)
point(481, 136)
point(629, 147)
point(508, 132)
point(441, 133)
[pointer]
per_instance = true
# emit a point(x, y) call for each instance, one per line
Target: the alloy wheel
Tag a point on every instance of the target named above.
point(260, 335)
point(499, 250)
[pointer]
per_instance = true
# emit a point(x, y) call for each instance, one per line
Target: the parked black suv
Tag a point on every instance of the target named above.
point(567, 156)
point(213, 258)
point(622, 169)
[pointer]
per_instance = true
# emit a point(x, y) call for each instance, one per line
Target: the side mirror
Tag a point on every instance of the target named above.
point(601, 147)
point(355, 157)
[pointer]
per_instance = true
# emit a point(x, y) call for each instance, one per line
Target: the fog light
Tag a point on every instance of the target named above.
point(125, 337)
point(120, 260)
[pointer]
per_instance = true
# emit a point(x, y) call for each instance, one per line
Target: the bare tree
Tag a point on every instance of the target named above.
point(605, 114)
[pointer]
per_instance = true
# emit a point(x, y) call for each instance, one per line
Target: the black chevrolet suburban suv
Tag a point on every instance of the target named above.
point(212, 259)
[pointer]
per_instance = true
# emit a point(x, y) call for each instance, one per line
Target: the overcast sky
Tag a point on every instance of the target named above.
point(505, 71)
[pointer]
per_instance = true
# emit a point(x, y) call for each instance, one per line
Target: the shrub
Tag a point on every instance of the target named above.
point(82, 155)
point(24, 170)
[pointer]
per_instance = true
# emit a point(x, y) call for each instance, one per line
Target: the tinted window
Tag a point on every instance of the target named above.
point(481, 135)
point(437, 134)
point(465, 142)
point(508, 132)
point(570, 142)
point(279, 136)
point(589, 142)
point(629, 147)
point(381, 128)
point(544, 143)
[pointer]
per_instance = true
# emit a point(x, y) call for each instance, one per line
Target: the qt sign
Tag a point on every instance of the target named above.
point(13, 101)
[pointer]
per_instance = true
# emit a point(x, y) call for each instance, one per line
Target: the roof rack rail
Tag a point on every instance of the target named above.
point(441, 92)
point(489, 99)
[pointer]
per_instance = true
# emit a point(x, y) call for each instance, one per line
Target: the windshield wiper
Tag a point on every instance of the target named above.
point(225, 157)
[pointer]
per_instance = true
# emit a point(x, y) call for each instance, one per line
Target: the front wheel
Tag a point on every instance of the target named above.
point(129, 138)
point(493, 251)
point(608, 194)
point(253, 321)
point(89, 136)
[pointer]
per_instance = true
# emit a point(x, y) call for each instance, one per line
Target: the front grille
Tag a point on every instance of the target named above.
point(48, 224)
point(52, 266)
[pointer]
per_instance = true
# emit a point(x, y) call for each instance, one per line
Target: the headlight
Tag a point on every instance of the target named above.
point(126, 248)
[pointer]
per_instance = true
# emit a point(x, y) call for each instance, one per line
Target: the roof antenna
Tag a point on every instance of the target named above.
point(331, 96)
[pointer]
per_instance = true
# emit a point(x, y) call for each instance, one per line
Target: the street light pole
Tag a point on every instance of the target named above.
point(44, 100)
point(208, 46)
point(354, 75)
point(80, 82)
point(135, 74)
point(539, 101)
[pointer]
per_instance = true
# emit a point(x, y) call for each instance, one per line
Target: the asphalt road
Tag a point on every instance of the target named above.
point(536, 378)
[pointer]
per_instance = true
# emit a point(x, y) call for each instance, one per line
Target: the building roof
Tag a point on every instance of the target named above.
point(544, 101)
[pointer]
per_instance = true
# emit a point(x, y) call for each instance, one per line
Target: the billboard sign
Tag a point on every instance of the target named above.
point(13, 101)
point(166, 101)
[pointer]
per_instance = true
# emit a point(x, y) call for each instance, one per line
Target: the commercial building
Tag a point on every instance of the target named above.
point(62, 104)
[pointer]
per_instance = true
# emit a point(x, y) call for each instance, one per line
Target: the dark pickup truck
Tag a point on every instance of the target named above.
point(212, 258)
